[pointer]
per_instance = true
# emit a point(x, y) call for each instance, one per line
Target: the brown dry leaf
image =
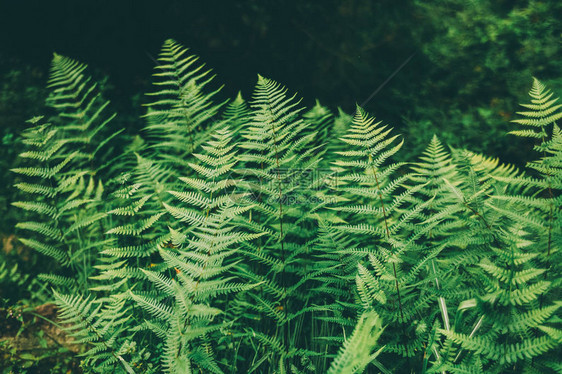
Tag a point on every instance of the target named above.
point(8, 243)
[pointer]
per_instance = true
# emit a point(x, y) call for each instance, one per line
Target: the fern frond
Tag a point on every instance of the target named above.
point(357, 351)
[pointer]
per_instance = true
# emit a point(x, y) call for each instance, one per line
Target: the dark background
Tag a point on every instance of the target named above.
point(336, 51)
point(468, 63)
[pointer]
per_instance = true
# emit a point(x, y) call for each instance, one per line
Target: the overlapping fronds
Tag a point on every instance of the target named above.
point(64, 170)
point(264, 237)
point(102, 328)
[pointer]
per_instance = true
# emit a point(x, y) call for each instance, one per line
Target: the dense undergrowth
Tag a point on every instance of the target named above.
point(262, 237)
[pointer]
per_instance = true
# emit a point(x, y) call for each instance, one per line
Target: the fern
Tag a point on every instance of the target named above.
point(278, 155)
point(266, 237)
point(64, 179)
point(99, 326)
point(180, 110)
point(356, 352)
point(382, 223)
point(541, 117)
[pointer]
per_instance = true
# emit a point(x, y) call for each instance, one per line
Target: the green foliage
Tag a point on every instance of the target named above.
point(63, 182)
point(479, 56)
point(261, 237)
point(99, 325)
point(356, 352)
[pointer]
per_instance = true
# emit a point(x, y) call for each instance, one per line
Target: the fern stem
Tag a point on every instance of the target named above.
point(286, 326)
point(550, 194)
point(177, 82)
point(393, 264)
point(474, 329)
point(387, 237)
point(481, 217)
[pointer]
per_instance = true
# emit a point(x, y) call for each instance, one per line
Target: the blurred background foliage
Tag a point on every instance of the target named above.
point(451, 67)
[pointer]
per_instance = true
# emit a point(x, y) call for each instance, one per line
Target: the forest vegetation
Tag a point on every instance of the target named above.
point(217, 230)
